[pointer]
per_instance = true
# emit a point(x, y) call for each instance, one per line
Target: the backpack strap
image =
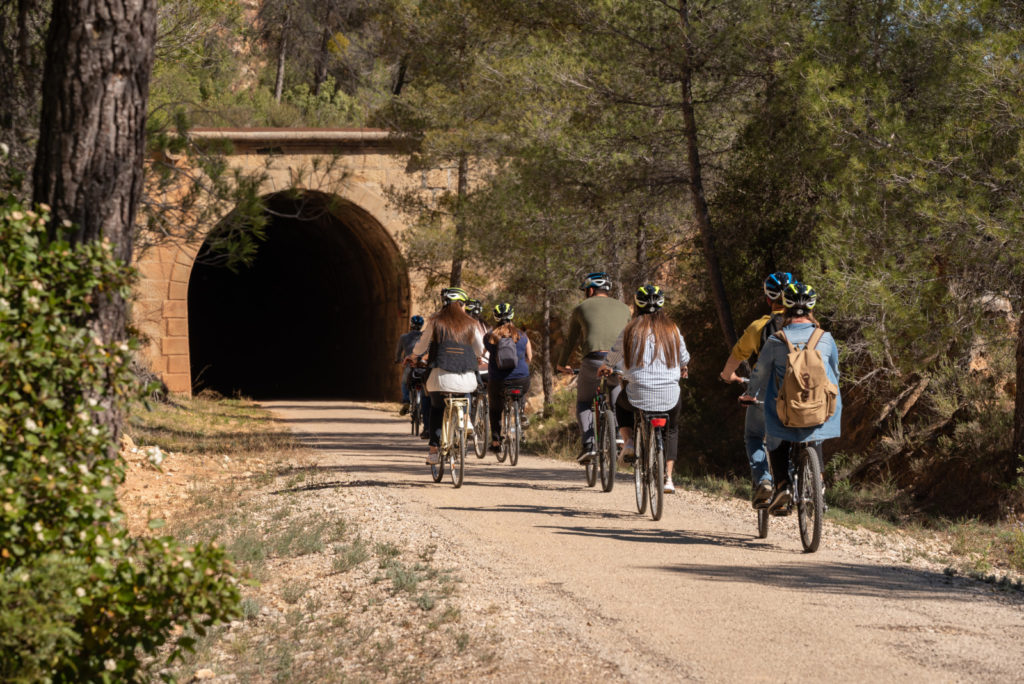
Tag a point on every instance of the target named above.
point(782, 336)
point(815, 338)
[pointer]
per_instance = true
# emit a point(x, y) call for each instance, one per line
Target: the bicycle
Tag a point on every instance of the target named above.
point(649, 467)
point(511, 426)
point(605, 438)
point(481, 422)
point(416, 408)
point(606, 434)
point(808, 495)
point(454, 439)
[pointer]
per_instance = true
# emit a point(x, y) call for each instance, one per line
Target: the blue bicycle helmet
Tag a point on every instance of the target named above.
point(416, 322)
point(597, 280)
point(776, 283)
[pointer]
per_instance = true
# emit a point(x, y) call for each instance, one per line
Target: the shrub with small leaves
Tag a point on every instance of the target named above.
point(79, 599)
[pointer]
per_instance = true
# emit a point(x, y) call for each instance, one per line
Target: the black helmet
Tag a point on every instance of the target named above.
point(416, 322)
point(453, 294)
point(503, 313)
point(597, 280)
point(649, 298)
point(799, 299)
point(776, 283)
point(474, 307)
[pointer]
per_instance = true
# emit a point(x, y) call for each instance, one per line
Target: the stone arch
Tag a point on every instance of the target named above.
point(318, 314)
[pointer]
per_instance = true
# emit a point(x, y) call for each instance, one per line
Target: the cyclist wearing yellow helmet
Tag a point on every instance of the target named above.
point(798, 326)
point(652, 354)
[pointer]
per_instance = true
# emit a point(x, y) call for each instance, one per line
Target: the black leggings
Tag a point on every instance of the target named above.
point(780, 461)
point(625, 417)
point(496, 397)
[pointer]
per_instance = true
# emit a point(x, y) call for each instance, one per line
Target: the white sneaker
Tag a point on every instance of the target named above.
point(433, 458)
point(670, 486)
point(628, 454)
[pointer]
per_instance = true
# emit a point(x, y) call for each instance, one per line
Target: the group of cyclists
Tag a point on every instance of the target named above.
point(640, 351)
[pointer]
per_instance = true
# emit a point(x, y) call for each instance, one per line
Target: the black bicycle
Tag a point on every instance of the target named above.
point(649, 467)
point(511, 425)
point(807, 493)
point(606, 433)
point(481, 422)
point(417, 377)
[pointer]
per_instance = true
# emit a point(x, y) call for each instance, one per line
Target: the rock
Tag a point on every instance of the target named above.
point(205, 673)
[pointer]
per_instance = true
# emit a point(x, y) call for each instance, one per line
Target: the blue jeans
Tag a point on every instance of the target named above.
point(754, 436)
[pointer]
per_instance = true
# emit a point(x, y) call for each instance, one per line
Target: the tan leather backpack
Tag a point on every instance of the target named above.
point(806, 397)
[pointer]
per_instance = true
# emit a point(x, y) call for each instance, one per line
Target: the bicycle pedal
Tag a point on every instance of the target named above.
point(781, 512)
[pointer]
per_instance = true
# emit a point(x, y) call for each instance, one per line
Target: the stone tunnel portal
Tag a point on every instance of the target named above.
point(317, 314)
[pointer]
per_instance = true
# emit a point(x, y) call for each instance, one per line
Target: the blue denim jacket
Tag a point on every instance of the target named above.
point(771, 367)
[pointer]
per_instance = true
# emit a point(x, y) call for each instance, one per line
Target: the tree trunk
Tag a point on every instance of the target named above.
point(1018, 416)
point(614, 259)
point(321, 61)
point(399, 82)
point(700, 205)
point(642, 267)
point(546, 369)
point(282, 50)
point(459, 250)
point(92, 135)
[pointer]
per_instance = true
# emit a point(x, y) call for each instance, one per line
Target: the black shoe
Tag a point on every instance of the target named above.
point(495, 448)
point(762, 493)
point(780, 504)
point(404, 410)
point(424, 435)
point(586, 455)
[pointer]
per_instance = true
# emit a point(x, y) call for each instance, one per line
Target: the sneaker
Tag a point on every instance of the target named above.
point(762, 493)
point(670, 486)
point(628, 453)
point(404, 410)
point(424, 434)
point(433, 458)
point(781, 502)
point(524, 422)
point(586, 455)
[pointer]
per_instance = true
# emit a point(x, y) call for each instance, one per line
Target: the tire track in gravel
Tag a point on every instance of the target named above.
point(608, 593)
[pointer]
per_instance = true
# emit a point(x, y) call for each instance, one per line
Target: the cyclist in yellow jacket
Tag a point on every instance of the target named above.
point(748, 347)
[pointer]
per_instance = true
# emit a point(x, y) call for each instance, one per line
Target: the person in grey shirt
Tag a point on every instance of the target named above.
point(405, 346)
point(652, 356)
point(594, 325)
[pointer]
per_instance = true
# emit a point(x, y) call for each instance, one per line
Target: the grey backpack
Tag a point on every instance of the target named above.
point(506, 355)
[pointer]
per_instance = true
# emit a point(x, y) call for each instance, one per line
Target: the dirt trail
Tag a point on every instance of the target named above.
point(693, 596)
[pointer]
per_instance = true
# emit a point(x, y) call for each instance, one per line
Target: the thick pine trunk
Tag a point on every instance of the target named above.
point(1018, 417)
point(459, 249)
point(547, 370)
point(92, 134)
point(700, 205)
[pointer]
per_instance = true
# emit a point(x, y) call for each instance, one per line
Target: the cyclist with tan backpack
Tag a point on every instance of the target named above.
point(797, 373)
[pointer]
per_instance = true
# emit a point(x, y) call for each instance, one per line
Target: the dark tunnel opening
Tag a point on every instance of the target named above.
point(316, 314)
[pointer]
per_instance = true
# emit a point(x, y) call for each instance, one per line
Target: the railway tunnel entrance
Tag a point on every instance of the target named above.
point(317, 313)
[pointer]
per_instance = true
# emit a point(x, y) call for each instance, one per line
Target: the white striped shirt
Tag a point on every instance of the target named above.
point(653, 386)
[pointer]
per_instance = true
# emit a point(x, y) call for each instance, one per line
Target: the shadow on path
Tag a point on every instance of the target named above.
point(878, 581)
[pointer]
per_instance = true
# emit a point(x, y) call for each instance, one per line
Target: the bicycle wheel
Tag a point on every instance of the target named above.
point(414, 412)
point(762, 523)
point(457, 454)
point(656, 474)
point(480, 426)
point(516, 424)
point(639, 471)
point(506, 429)
point(606, 451)
point(811, 507)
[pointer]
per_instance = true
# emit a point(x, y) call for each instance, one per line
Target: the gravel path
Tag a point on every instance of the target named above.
point(571, 584)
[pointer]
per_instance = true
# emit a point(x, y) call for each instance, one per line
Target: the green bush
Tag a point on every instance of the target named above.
point(79, 599)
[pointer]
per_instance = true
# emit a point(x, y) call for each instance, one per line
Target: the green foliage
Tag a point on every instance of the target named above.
point(80, 599)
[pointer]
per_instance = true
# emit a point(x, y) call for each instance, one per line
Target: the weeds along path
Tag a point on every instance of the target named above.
point(696, 595)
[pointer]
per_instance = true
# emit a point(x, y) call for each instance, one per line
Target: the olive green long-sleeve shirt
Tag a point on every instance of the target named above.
point(594, 326)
